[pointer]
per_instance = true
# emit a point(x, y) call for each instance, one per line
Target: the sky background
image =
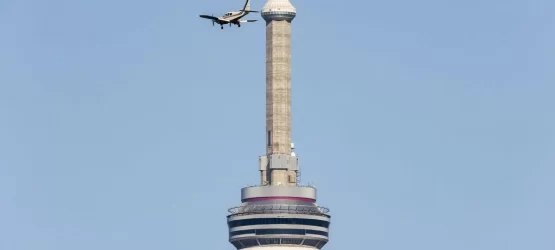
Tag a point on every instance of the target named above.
point(425, 125)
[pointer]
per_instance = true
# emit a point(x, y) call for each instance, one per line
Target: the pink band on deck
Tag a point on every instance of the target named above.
point(279, 198)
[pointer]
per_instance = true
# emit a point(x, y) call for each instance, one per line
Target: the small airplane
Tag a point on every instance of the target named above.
point(233, 17)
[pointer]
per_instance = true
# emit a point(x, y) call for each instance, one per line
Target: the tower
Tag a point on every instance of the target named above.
point(278, 214)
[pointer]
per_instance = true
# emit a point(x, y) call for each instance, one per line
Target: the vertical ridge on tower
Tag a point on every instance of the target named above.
point(279, 214)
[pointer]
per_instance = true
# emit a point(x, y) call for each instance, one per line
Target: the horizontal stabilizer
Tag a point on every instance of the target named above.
point(253, 11)
point(247, 21)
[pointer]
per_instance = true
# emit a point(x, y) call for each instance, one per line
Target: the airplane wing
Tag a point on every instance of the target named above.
point(247, 21)
point(209, 17)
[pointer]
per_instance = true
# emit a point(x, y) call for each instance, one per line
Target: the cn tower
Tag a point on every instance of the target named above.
point(278, 214)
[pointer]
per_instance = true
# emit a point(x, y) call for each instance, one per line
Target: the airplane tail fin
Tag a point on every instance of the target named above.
point(247, 6)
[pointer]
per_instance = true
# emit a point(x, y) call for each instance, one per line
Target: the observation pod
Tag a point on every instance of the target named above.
point(278, 10)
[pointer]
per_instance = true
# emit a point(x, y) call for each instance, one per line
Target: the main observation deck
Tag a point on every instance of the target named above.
point(275, 219)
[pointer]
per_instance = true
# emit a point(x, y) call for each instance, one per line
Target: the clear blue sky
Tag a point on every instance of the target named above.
point(426, 125)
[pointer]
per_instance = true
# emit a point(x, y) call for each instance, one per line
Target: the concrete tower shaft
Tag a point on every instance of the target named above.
point(281, 166)
point(278, 87)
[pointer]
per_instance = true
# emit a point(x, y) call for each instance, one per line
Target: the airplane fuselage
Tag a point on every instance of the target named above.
point(232, 17)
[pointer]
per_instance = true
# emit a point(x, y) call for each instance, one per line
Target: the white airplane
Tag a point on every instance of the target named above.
point(233, 17)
